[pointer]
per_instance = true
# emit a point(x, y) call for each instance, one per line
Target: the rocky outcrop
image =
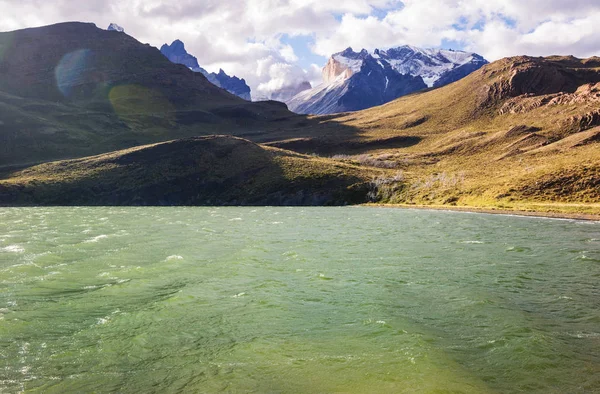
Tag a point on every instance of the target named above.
point(521, 84)
point(585, 94)
point(583, 122)
point(115, 27)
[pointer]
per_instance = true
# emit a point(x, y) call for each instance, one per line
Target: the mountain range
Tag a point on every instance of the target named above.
point(351, 80)
point(177, 53)
point(358, 80)
point(89, 116)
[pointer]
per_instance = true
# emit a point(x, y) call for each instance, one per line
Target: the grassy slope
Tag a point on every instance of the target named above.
point(475, 152)
point(212, 170)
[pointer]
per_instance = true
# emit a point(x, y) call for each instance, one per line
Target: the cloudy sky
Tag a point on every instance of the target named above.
point(274, 43)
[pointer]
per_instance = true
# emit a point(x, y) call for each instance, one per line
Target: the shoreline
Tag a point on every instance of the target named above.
point(539, 214)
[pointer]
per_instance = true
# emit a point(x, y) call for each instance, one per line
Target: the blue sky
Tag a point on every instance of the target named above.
point(302, 48)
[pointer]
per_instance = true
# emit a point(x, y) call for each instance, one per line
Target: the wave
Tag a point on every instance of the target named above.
point(96, 239)
point(13, 249)
point(174, 257)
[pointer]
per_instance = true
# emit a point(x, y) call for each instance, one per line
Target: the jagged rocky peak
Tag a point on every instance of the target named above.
point(177, 53)
point(233, 84)
point(437, 67)
point(344, 64)
point(115, 27)
point(177, 47)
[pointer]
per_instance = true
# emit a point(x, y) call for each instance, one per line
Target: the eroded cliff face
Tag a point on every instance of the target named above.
point(528, 82)
point(333, 69)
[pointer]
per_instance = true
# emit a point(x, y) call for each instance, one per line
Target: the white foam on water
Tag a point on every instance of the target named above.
point(174, 257)
point(582, 335)
point(276, 222)
point(13, 249)
point(102, 320)
point(471, 242)
point(96, 239)
point(236, 220)
point(238, 295)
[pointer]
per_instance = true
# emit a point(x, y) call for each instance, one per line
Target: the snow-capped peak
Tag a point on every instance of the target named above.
point(115, 27)
point(357, 80)
point(430, 64)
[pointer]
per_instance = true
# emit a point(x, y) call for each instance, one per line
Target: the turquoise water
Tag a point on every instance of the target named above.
point(296, 300)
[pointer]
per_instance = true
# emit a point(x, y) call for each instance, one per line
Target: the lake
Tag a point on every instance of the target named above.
point(304, 300)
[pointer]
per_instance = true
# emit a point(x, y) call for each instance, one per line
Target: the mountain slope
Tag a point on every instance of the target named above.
point(520, 132)
point(177, 54)
point(359, 80)
point(213, 170)
point(72, 89)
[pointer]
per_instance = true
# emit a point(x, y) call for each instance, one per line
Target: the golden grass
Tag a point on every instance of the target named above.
point(472, 154)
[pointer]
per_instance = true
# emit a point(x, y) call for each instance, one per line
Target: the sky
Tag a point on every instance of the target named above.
point(278, 43)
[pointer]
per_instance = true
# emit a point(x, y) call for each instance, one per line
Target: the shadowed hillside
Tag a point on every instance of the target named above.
point(214, 170)
point(71, 90)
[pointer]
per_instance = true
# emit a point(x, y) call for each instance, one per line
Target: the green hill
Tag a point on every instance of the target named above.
point(214, 170)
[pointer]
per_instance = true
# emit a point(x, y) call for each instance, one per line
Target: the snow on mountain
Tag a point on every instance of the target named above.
point(431, 64)
point(177, 53)
point(115, 27)
point(359, 80)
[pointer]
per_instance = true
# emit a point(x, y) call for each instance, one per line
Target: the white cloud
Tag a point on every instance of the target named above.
point(245, 37)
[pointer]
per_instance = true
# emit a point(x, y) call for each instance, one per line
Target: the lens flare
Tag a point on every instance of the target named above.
point(138, 101)
point(71, 71)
